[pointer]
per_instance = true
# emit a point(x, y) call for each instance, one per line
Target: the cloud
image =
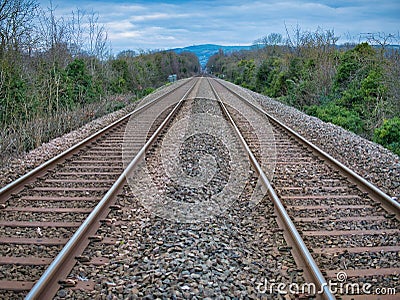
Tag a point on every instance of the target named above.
point(169, 24)
point(158, 16)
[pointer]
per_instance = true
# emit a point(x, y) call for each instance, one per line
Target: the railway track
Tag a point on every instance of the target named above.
point(215, 199)
point(350, 227)
point(43, 209)
point(169, 240)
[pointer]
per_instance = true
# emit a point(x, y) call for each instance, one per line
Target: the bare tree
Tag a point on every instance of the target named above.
point(55, 36)
point(270, 43)
point(380, 39)
point(77, 32)
point(97, 37)
point(16, 26)
point(96, 42)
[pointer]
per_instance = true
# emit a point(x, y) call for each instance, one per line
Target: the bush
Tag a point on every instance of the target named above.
point(79, 82)
point(354, 65)
point(388, 134)
point(114, 106)
point(337, 115)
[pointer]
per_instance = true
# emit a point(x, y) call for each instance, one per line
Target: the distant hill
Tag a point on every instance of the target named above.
point(204, 52)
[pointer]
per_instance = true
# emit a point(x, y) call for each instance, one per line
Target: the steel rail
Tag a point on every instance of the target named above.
point(18, 184)
point(297, 239)
point(49, 277)
point(362, 182)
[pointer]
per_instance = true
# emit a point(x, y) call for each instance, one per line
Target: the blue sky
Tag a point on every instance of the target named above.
point(169, 24)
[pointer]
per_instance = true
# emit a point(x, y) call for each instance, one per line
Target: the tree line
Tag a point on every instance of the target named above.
point(355, 86)
point(57, 73)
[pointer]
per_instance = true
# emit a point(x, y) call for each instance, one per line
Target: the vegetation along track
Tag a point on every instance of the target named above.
point(200, 218)
point(42, 210)
point(350, 227)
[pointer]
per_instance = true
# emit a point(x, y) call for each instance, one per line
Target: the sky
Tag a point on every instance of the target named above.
point(149, 25)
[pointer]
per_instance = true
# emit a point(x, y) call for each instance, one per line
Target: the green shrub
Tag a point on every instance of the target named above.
point(388, 134)
point(79, 82)
point(337, 115)
point(147, 91)
point(354, 65)
point(114, 106)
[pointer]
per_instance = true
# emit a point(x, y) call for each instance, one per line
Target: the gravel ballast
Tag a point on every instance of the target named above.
point(370, 160)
